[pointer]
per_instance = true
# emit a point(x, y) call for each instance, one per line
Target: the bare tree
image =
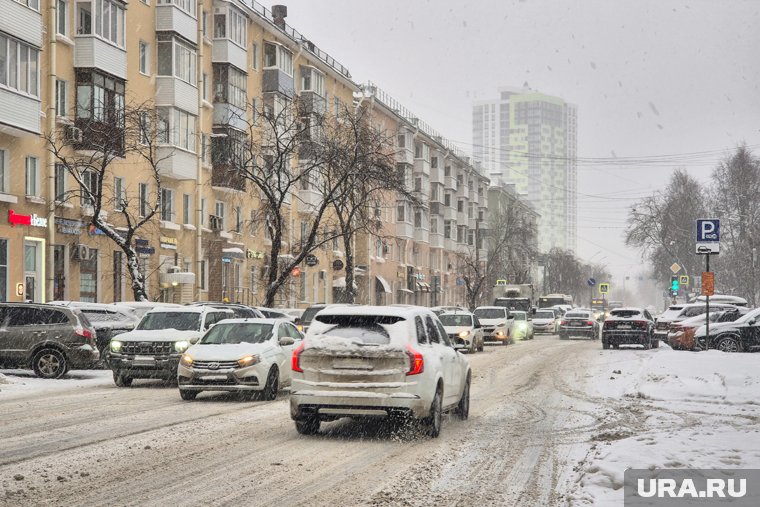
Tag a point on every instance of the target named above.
point(513, 246)
point(92, 152)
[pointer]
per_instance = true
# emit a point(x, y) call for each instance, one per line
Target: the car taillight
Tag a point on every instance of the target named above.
point(590, 322)
point(607, 323)
point(84, 333)
point(296, 360)
point(642, 323)
point(416, 362)
point(562, 322)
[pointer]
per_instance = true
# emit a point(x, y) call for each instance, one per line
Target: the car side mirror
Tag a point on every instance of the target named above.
point(286, 340)
point(209, 326)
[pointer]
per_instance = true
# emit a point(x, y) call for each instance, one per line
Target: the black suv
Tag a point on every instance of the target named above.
point(49, 339)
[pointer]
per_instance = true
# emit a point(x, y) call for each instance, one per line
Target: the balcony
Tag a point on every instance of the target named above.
point(436, 175)
point(309, 201)
point(422, 166)
point(450, 182)
point(404, 156)
point(449, 213)
point(92, 52)
point(436, 240)
point(436, 208)
point(276, 81)
point(422, 235)
point(176, 164)
point(449, 244)
point(225, 179)
point(404, 230)
point(313, 103)
point(174, 92)
point(461, 217)
point(229, 115)
point(170, 18)
point(21, 22)
point(226, 51)
point(19, 114)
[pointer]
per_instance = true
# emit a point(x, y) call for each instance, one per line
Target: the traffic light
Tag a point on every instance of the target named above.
point(674, 285)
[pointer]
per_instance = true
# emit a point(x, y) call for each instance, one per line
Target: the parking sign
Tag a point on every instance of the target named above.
point(708, 235)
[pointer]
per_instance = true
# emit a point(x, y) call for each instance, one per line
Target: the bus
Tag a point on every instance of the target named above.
point(555, 299)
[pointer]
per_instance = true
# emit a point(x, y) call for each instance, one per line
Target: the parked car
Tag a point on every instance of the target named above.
point(377, 361)
point(48, 339)
point(108, 320)
point(579, 323)
point(272, 313)
point(248, 356)
point(545, 321)
point(304, 321)
point(142, 307)
point(153, 349)
point(742, 335)
point(681, 334)
point(677, 313)
point(464, 329)
point(722, 299)
point(496, 322)
point(522, 326)
point(239, 311)
point(446, 309)
point(629, 326)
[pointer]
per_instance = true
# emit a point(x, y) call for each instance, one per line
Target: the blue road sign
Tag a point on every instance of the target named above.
point(708, 230)
point(591, 282)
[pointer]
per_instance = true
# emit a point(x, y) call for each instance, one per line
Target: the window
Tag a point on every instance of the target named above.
point(312, 80)
point(401, 212)
point(186, 5)
point(32, 176)
point(61, 106)
point(220, 26)
point(144, 53)
point(62, 26)
point(237, 28)
point(143, 197)
point(447, 199)
point(176, 127)
point(402, 141)
point(204, 24)
point(255, 56)
point(60, 182)
point(100, 97)
point(167, 205)
point(19, 66)
point(205, 93)
point(185, 208)
point(202, 275)
point(238, 219)
point(230, 85)
point(460, 206)
point(204, 212)
point(3, 172)
point(277, 56)
point(119, 194)
point(205, 149)
point(89, 190)
point(220, 214)
point(175, 58)
point(336, 105)
point(108, 17)
point(3, 270)
point(144, 137)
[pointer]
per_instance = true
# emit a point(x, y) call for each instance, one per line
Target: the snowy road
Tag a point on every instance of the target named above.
point(93, 444)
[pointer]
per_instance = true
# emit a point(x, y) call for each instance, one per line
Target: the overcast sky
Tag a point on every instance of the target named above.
point(650, 78)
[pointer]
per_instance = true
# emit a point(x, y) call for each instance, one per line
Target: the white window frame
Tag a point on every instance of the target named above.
point(219, 207)
point(32, 179)
point(62, 15)
point(168, 212)
point(183, 60)
point(283, 57)
point(61, 98)
point(22, 61)
point(59, 177)
point(142, 199)
point(119, 193)
point(4, 171)
point(187, 214)
point(143, 53)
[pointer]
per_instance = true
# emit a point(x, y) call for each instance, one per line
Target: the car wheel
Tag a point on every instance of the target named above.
point(187, 395)
point(656, 343)
point(615, 346)
point(49, 363)
point(605, 345)
point(463, 408)
point(482, 345)
point(435, 419)
point(647, 344)
point(273, 385)
point(308, 426)
point(121, 380)
point(472, 347)
point(728, 344)
point(506, 340)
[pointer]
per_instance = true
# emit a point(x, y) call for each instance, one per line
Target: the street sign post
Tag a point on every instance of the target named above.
point(683, 280)
point(708, 242)
point(604, 288)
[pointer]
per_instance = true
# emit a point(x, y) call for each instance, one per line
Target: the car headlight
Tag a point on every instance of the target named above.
point(464, 334)
point(181, 346)
point(248, 361)
point(116, 346)
point(499, 333)
point(186, 360)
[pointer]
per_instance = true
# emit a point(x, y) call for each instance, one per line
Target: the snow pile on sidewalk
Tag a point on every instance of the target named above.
point(20, 383)
point(667, 409)
point(4, 379)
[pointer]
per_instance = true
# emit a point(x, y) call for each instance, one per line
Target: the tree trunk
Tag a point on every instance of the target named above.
point(349, 293)
point(139, 291)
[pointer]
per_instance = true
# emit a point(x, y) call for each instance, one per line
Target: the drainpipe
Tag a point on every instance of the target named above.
point(199, 158)
point(50, 112)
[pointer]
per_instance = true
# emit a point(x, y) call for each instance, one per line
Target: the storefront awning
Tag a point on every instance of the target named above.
point(340, 283)
point(423, 287)
point(382, 281)
point(407, 291)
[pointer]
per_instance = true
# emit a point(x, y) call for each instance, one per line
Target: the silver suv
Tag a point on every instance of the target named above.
point(50, 340)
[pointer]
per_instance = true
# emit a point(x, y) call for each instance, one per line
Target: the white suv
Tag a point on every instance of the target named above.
point(377, 361)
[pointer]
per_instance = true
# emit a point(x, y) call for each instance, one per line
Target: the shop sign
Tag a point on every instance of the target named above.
point(67, 226)
point(94, 231)
point(311, 260)
point(32, 220)
point(337, 264)
point(142, 246)
point(226, 260)
point(253, 254)
point(168, 243)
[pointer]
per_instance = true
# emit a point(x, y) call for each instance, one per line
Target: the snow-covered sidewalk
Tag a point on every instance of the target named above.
point(19, 383)
point(669, 409)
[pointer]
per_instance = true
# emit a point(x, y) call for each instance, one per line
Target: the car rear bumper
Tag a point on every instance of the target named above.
point(239, 379)
point(577, 331)
point(82, 357)
point(380, 399)
point(543, 328)
point(625, 337)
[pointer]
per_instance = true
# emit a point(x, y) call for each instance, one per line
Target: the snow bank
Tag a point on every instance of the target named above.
point(21, 383)
point(668, 409)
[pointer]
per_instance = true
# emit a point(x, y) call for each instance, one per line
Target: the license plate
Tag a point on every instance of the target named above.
point(624, 327)
point(144, 360)
point(576, 324)
point(351, 364)
point(214, 377)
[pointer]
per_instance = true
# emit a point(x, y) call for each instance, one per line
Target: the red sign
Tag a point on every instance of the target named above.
point(708, 283)
point(296, 271)
point(32, 220)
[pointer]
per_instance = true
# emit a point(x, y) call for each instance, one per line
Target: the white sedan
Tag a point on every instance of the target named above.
point(239, 355)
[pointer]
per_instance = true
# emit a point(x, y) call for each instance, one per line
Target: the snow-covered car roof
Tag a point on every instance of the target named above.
point(395, 311)
point(488, 308)
point(252, 320)
point(188, 309)
point(457, 312)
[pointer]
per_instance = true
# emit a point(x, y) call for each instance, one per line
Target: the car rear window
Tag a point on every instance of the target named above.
point(362, 329)
point(544, 315)
point(672, 312)
point(309, 313)
point(625, 314)
point(455, 320)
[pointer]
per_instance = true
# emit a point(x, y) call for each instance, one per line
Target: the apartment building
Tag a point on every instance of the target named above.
point(530, 139)
point(206, 67)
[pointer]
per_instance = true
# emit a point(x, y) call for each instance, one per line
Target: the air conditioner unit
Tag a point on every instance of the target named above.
point(80, 252)
point(73, 134)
